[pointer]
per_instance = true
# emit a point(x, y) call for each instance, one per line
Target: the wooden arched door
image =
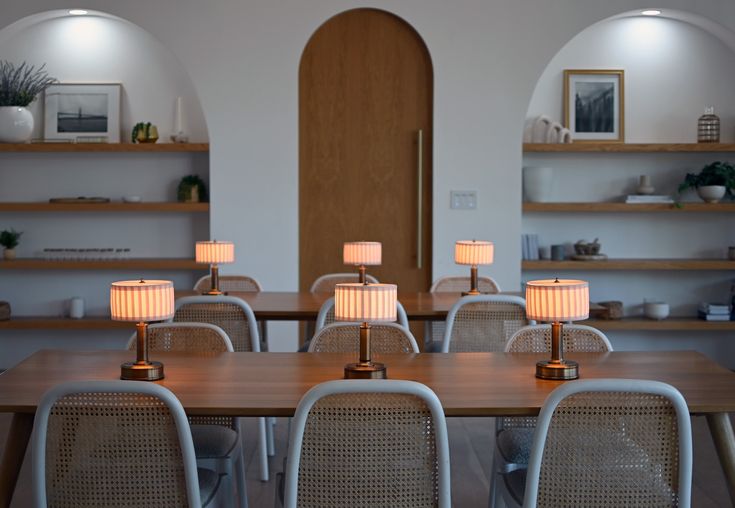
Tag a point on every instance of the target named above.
point(365, 136)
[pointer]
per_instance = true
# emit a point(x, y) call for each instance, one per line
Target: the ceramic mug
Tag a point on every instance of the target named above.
point(76, 307)
point(656, 310)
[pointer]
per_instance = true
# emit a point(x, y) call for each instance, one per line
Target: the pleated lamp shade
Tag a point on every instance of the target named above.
point(362, 253)
point(557, 300)
point(473, 252)
point(365, 302)
point(215, 253)
point(142, 300)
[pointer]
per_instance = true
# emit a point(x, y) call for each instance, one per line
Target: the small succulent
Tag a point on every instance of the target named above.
point(10, 238)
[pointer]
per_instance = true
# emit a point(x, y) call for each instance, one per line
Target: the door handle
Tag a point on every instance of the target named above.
point(420, 201)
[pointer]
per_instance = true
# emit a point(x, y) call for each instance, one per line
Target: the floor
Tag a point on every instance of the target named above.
point(470, 445)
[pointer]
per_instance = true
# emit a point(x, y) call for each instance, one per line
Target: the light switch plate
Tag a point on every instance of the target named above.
point(463, 200)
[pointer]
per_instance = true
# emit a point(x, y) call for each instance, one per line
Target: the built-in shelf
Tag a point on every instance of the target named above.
point(104, 147)
point(627, 147)
point(159, 206)
point(631, 264)
point(111, 264)
point(671, 324)
point(61, 323)
point(629, 207)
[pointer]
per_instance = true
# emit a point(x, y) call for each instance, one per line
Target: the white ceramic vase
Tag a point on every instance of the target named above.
point(16, 124)
point(537, 183)
point(711, 193)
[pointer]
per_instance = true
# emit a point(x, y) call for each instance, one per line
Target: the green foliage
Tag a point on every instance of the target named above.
point(187, 183)
point(20, 85)
point(9, 238)
point(143, 128)
point(716, 173)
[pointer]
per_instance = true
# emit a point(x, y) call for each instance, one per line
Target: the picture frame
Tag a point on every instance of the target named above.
point(83, 112)
point(594, 105)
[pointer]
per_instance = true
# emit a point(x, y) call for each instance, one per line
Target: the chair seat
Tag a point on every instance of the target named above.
point(514, 444)
point(208, 485)
point(213, 441)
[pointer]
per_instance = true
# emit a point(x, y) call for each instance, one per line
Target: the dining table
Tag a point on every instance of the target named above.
point(272, 384)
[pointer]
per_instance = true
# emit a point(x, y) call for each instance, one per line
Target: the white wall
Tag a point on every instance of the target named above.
point(243, 56)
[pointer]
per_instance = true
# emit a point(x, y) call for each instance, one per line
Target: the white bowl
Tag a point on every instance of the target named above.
point(711, 193)
point(131, 199)
point(656, 310)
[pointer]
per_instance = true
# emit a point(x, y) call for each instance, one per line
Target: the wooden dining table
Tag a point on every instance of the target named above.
point(271, 384)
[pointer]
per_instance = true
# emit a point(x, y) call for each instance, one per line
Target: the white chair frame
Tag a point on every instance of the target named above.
point(346, 276)
point(342, 324)
point(184, 324)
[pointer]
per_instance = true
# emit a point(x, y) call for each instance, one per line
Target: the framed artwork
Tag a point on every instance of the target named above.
point(594, 105)
point(83, 112)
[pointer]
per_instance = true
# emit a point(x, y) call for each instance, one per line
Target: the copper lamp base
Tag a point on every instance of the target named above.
point(134, 371)
point(564, 370)
point(368, 370)
point(214, 292)
point(472, 293)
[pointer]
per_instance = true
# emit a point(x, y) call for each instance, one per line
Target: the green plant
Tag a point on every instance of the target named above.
point(141, 127)
point(20, 85)
point(187, 183)
point(715, 173)
point(9, 238)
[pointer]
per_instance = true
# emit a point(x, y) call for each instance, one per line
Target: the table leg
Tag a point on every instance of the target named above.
point(15, 449)
point(724, 439)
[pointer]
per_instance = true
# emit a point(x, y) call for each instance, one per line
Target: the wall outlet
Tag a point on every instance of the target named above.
point(463, 200)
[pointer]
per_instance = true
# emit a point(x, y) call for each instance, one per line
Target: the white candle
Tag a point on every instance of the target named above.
point(178, 117)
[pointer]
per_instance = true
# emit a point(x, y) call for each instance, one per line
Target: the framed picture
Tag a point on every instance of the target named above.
point(594, 105)
point(83, 112)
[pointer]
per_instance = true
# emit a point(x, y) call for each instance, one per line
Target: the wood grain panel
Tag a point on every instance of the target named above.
point(628, 147)
point(628, 207)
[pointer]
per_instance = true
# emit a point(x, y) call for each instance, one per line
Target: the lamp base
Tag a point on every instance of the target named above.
point(564, 370)
point(214, 292)
point(133, 371)
point(472, 293)
point(366, 371)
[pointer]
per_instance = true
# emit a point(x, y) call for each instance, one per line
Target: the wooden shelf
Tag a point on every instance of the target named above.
point(61, 323)
point(627, 147)
point(105, 147)
point(670, 324)
point(112, 264)
point(159, 206)
point(631, 264)
point(629, 207)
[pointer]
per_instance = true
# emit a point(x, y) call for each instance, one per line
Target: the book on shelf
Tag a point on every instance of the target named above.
point(529, 247)
point(714, 308)
point(713, 317)
point(650, 198)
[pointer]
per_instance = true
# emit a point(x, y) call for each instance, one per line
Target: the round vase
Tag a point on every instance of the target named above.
point(537, 183)
point(711, 193)
point(9, 254)
point(16, 124)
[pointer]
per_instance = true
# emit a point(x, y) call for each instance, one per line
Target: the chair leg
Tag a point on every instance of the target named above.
point(270, 423)
point(263, 448)
point(240, 482)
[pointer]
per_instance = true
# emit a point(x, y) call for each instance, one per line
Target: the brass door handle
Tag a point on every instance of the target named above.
point(420, 201)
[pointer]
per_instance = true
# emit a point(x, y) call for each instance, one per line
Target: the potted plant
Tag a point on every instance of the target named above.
point(19, 86)
point(192, 189)
point(712, 183)
point(9, 240)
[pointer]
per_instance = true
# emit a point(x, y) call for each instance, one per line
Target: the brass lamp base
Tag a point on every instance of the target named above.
point(564, 370)
point(214, 292)
point(365, 371)
point(472, 293)
point(134, 371)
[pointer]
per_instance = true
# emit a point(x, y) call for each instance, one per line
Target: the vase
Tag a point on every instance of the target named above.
point(711, 193)
point(9, 254)
point(537, 183)
point(16, 124)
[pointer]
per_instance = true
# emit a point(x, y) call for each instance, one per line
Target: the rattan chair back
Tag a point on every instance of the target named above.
point(231, 314)
point(192, 337)
point(458, 284)
point(368, 443)
point(483, 323)
point(325, 283)
point(576, 338)
point(385, 338)
point(229, 283)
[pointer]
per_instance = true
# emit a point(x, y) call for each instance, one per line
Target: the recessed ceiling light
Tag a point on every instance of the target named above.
point(77, 12)
point(651, 12)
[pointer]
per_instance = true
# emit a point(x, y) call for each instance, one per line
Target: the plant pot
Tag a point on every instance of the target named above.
point(537, 182)
point(16, 124)
point(9, 254)
point(711, 193)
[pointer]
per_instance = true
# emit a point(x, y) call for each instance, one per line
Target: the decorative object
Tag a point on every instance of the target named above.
point(215, 253)
point(473, 253)
point(708, 126)
point(731, 253)
point(613, 310)
point(76, 307)
point(594, 105)
point(4, 311)
point(10, 238)
point(644, 186)
point(365, 303)
point(144, 132)
point(715, 174)
point(362, 254)
point(545, 130)
point(19, 86)
point(656, 310)
point(557, 301)
point(179, 136)
point(83, 112)
point(192, 189)
point(537, 183)
point(131, 199)
point(558, 252)
point(588, 251)
point(142, 301)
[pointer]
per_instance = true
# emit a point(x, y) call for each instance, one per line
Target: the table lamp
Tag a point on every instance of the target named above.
point(365, 303)
point(556, 301)
point(362, 254)
point(473, 253)
point(215, 253)
point(142, 301)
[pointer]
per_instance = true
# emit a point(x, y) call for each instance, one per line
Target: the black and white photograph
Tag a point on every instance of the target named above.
point(83, 112)
point(593, 104)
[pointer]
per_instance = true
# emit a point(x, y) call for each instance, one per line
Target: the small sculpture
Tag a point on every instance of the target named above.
point(588, 251)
